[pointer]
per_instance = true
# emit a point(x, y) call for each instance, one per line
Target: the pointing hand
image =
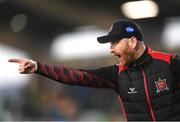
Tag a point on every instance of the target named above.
point(26, 66)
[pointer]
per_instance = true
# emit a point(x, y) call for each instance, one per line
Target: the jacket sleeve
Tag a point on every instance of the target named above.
point(105, 77)
point(175, 62)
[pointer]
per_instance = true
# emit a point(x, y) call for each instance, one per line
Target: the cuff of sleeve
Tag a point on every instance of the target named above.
point(35, 65)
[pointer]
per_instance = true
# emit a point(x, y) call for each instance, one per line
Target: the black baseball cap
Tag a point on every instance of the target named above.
point(121, 29)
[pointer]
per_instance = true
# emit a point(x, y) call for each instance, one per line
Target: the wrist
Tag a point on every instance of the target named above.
point(35, 65)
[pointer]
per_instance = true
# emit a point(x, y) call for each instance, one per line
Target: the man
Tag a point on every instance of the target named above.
point(146, 81)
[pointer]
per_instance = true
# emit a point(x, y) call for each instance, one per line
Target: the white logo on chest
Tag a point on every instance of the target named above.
point(132, 91)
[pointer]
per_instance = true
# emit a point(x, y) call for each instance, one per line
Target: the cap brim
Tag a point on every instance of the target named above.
point(109, 38)
point(103, 39)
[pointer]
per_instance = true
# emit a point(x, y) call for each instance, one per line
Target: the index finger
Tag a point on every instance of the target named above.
point(14, 60)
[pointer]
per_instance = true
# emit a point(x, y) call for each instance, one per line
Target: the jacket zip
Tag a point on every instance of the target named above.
point(147, 95)
point(123, 109)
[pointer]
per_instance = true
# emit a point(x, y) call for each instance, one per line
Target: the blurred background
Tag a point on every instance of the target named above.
point(64, 32)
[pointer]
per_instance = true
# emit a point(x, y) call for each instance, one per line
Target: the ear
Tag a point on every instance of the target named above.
point(133, 42)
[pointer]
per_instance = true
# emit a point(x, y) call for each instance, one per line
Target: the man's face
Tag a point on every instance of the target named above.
point(123, 50)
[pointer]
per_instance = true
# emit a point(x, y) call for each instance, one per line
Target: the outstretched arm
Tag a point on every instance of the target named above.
point(105, 77)
point(97, 78)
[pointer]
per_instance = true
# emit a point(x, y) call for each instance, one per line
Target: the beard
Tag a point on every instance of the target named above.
point(127, 57)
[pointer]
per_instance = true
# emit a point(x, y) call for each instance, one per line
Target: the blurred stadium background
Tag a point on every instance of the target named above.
point(64, 32)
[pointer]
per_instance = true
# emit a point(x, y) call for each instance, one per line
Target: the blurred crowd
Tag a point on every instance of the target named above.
point(46, 100)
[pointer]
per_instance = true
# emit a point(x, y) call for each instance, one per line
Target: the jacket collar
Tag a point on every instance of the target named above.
point(145, 57)
point(142, 60)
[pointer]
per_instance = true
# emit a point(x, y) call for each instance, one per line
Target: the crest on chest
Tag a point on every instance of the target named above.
point(161, 85)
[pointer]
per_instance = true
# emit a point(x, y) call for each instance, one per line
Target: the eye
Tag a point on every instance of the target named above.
point(114, 42)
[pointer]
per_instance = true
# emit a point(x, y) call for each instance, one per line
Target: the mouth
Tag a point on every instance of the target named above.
point(117, 55)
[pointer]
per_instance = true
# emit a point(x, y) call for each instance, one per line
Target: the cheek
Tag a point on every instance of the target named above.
point(121, 48)
point(127, 54)
point(125, 50)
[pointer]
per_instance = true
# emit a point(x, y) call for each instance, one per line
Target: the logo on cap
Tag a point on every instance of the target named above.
point(129, 29)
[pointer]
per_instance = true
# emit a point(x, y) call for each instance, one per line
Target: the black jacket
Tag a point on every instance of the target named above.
point(148, 89)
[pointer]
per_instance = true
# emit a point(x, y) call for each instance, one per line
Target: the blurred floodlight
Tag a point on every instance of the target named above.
point(171, 32)
point(80, 44)
point(18, 22)
point(9, 75)
point(140, 9)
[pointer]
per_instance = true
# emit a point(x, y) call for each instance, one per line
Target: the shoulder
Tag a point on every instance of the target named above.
point(161, 55)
